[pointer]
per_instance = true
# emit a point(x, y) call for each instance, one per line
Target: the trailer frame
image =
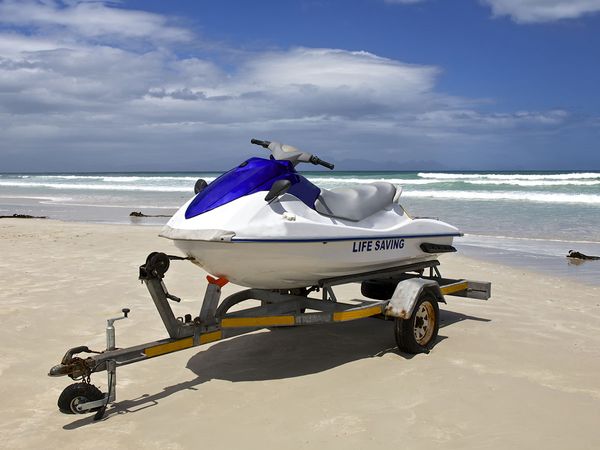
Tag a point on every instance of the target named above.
point(278, 308)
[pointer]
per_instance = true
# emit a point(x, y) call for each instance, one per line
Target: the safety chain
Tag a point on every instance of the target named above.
point(79, 366)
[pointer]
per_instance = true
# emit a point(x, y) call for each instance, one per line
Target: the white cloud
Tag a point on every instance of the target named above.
point(532, 11)
point(339, 70)
point(90, 19)
point(73, 96)
point(13, 44)
point(474, 120)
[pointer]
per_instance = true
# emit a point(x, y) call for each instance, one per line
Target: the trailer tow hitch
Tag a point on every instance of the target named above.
point(83, 396)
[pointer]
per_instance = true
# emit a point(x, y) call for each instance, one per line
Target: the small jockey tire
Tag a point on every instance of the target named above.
point(76, 394)
point(418, 333)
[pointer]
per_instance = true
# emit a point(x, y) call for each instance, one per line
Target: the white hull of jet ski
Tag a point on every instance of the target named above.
point(283, 265)
point(286, 244)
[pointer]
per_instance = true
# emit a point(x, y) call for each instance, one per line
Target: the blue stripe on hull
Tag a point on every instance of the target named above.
point(359, 238)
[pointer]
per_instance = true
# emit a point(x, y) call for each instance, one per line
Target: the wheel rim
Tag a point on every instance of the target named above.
point(424, 323)
point(76, 401)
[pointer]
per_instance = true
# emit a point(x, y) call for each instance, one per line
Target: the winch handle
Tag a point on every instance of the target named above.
point(264, 144)
point(317, 161)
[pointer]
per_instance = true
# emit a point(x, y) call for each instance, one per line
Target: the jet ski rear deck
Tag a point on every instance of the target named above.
point(419, 287)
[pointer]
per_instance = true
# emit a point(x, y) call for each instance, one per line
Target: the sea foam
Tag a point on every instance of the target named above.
point(519, 176)
point(590, 199)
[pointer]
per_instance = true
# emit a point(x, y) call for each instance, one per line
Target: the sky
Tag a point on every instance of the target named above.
point(367, 84)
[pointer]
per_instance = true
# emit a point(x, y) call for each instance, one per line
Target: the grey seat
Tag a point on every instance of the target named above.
point(357, 202)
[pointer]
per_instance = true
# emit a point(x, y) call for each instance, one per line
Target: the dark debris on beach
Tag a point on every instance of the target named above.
point(141, 214)
point(23, 216)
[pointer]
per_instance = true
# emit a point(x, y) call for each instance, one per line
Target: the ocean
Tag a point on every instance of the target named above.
point(527, 219)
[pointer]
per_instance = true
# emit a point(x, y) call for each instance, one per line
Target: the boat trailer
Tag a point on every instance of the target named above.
point(408, 294)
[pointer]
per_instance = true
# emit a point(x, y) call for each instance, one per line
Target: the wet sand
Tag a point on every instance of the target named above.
point(518, 371)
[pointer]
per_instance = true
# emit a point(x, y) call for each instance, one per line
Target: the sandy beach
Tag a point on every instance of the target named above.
point(518, 371)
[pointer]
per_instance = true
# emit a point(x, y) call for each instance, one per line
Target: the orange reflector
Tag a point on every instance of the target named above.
point(218, 281)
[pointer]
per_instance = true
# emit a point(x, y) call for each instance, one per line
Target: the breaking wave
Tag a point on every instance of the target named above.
point(502, 176)
point(111, 178)
point(590, 199)
point(354, 180)
point(491, 182)
point(531, 183)
point(98, 187)
point(574, 188)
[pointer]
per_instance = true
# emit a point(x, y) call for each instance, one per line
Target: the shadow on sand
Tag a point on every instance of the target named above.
point(283, 353)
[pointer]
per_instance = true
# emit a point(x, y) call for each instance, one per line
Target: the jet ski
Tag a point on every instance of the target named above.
point(263, 225)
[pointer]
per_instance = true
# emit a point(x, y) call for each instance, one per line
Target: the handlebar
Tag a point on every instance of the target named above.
point(295, 156)
point(317, 161)
point(264, 144)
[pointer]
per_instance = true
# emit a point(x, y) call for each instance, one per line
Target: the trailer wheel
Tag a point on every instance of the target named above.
point(418, 333)
point(76, 394)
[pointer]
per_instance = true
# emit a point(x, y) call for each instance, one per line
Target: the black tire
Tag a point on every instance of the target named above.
point(77, 393)
point(378, 289)
point(419, 333)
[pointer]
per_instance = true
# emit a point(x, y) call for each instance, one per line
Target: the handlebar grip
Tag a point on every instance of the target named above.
point(264, 144)
point(318, 161)
point(326, 164)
